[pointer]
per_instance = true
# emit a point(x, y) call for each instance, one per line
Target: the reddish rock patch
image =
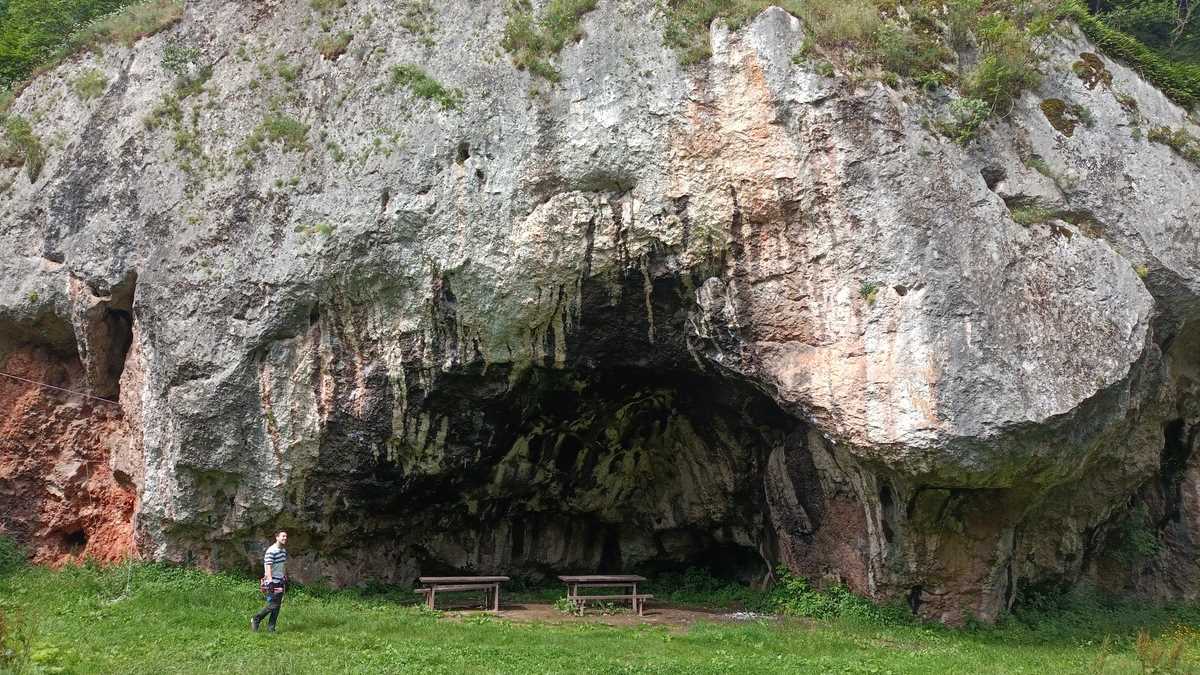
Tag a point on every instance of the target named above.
point(58, 494)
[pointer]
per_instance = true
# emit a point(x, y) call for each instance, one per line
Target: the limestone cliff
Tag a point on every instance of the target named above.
point(739, 313)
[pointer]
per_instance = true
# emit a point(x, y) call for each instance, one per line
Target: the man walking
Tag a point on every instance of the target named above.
point(274, 581)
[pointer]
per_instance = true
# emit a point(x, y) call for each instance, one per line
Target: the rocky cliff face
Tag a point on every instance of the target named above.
point(737, 314)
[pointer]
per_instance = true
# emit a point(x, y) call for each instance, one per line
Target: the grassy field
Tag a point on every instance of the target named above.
point(156, 619)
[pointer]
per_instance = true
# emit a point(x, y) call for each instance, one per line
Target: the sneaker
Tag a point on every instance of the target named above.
point(254, 624)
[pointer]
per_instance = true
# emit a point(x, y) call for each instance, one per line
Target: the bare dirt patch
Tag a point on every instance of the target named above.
point(533, 612)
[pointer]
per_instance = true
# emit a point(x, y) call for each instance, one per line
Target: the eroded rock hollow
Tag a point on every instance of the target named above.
point(735, 315)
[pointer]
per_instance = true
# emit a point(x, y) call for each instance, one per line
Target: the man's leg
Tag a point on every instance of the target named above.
point(262, 613)
point(273, 605)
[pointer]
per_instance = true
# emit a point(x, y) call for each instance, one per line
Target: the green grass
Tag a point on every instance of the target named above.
point(423, 86)
point(144, 618)
point(1032, 214)
point(279, 128)
point(534, 41)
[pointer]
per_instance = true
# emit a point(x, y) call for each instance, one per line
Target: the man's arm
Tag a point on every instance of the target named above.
point(266, 570)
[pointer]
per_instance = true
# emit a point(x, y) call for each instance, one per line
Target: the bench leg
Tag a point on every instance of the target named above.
point(496, 598)
point(431, 594)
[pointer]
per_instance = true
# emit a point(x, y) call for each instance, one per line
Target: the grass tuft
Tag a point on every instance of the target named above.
point(279, 128)
point(331, 47)
point(90, 84)
point(23, 148)
point(533, 41)
point(423, 86)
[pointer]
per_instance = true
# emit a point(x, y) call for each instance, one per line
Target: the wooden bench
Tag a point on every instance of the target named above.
point(629, 582)
point(489, 585)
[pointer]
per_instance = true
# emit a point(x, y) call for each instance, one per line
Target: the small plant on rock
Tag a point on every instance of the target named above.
point(532, 41)
point(179, 59)
point(90, 84)
point(869, 291)
point(1179, 140)
point(333, 47)
point(423, 86)
point(279, 128)
point(967, 116)
point(23, 148)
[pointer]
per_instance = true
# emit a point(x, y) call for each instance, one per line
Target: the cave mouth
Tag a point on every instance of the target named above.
point(588, 470)
point(74, 541)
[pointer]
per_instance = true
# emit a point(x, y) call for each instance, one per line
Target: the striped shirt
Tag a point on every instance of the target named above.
point(276, 557)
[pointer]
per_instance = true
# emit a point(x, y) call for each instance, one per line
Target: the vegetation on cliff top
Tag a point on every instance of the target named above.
point(35, 34)
point(916, 39)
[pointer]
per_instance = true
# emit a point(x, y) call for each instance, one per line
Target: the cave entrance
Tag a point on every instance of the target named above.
point(609, 470)
point(630, 452)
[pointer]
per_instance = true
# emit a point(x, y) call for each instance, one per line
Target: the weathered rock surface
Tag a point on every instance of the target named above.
point(735, 314)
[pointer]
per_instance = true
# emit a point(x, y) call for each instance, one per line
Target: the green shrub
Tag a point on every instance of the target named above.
point(794, 596)
point(90, 84)
point(12, 555)
point(1158, 24)
point(532, 42)
point(1137, 540)
point(910, 54)
point(999, 79)
point(24, 147)
point(695, 586)
point(423, 86)
point(966, 117)
point(960, 21)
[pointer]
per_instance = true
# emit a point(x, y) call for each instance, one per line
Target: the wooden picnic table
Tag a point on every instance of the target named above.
point(629, 582)
point(489, 585)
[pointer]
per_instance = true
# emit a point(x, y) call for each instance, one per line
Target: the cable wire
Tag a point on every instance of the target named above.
point(50, 386)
